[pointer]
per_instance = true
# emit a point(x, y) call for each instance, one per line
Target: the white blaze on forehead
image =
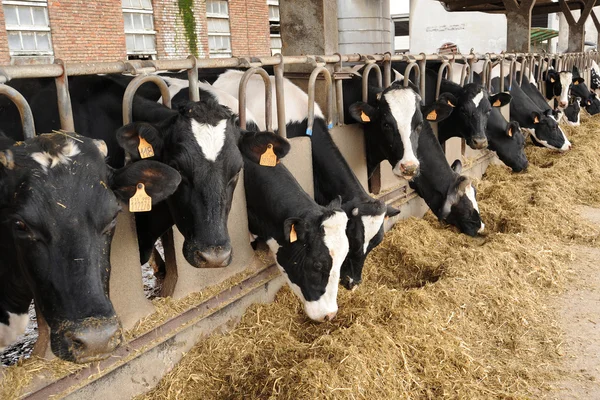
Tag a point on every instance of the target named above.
point(63, 156)
point(337, 242)
point(16, 326)
point(566, 79)
point(477, 99)
point(403, 105)
point(372, 224)
point(470, 193)
point(210, 138)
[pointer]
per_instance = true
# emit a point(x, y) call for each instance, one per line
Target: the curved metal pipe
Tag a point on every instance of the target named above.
point(387, 69)
point(134, 86)
point(268, 96)
point(445, 66)
point(23, 107)
point(193, 88)
point(280, 98)
point(408, 70)
point(464, 77)
point(365, 80)
point(65, 110)
point(311, 98)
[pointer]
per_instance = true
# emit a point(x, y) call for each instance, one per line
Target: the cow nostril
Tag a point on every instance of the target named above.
point(330, 316)
point(214, 258)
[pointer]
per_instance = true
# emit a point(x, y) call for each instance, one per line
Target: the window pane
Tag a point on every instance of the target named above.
point(130, 42)
point(43, 41)
point(128, 21)
point(149, 42)
point(14, 41)
point(25, 16)
point(274, 13)
point(148, 25)
point(10, 14)
point(147, 4)
point(218, 25)
point(28, 40)
point(126, 3)
point(137, 21)
point(39, 16)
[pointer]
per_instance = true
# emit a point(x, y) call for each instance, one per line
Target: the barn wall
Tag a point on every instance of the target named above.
point(249, 24)
point(171, 41)
point(86, 30)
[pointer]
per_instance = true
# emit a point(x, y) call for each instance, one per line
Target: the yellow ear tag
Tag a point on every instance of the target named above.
point(140, 201)
point(364, 117)
point(450, 104)
point(576, 83)
point(497, 103)
point(510, 132)
point(293, 235)
point(268, 158)
point(145, 148)
point(432, 116)
point(552, 80)
point(536, 120)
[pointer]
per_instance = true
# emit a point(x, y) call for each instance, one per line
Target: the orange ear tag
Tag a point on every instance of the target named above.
point(364, 117)
point(510, 132)
point(497, 103)
point(576, 82)
point(536, 120)
point(140, 202)
point(145, 148)
point(432, 116)
point(293, 235)
point(450, 104)
point(268, 158)
point(552, 80)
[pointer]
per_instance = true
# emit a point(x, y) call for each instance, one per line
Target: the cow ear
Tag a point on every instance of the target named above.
point(456, 166)
point(335, 204)
point(362, 112)
point(7, 161)
point(441, 109)
point(512, 128)
point(578, 81)
point(391, 212)
point(535, 116)
point(264, 148)
point(293, 230)
point(159, 179)
point(140, 140)
point(500, 99)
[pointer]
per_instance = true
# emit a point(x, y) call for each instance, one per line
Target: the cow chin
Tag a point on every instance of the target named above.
point(321, 310)
point(209, 257)
point(477, 143)
point(89, 340)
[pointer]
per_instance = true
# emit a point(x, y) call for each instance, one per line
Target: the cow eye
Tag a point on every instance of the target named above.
point(21, 226)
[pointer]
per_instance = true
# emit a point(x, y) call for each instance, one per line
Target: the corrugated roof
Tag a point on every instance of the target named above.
point(539, 35)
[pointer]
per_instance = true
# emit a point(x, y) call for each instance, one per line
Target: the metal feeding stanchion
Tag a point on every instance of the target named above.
point(65, 110)
point(23, 107)
point(268, 96)
point(319, 69)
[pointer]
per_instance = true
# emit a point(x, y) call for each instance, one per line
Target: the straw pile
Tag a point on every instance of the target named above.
point(439, 313)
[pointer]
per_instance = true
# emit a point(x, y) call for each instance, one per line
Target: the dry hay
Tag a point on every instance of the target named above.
point(439, 313)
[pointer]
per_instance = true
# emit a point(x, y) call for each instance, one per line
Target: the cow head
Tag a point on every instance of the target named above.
point(507, 140)
point(546, 131)
point(473, 108)
point(392, 125)
point(311, 255)
point(460, 206)
point(573, 113)
point(365, 232)
point(201, 143)
point(58, 207)
point(558, 84)
point(591, 104)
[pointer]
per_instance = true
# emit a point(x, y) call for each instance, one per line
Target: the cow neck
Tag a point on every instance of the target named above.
point(451, 126)
point(15, 294)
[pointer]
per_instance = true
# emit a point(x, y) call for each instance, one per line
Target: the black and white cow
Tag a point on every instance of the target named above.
point(308, 240)
point(595, 78)
point(449, 195)
point(333, 176)
point(588, 100)
point(201, 142)
point(558, 86)
point(539, 122)
point(58, 207)
point(573, 113)
point(506, 139)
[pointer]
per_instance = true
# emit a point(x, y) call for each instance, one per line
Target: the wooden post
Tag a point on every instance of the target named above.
point(576, 28)
point(518, 25)
point(597, 24)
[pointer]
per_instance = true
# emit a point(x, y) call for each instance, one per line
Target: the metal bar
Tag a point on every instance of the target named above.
point(133, 87)
point(65, 110)
point(339, 92)
point(387, 69)
point(445, 66)
point(268, 96)
point(24, 110)
point(311, 97)
point(422, 66)
point(194, 89)
point(280, 98)
point(408, 70)
point(464, 77)
point(502, 75)
point(365, 80)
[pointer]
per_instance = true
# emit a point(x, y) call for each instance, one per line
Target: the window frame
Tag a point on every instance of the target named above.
point(219, 53)
point(20, 29)
point(128, 11)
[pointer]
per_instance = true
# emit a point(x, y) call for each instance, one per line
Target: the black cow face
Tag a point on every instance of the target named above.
point(591, 104)
point(460, 208)
point(547, 132)
point(392, 127)
point(573, 113)
point(200, 143)
point(509, 145)
point(473, 109)
point(311, 257)
point(58, 208)
point(365, 232)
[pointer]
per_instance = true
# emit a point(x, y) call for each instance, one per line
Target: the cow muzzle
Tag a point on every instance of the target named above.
point(349, 283)
point(214, 257)
point(91, 340)
point(406, 169)
point(478, 143)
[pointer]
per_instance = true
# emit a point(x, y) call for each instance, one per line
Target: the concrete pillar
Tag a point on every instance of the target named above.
point(597, 25)
point(518, 25)
point(563, 34)
point(576, 28)
point(364, 26)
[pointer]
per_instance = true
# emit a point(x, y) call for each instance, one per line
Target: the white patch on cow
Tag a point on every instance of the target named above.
point(470, 193)
point(477, 99)
point(566, 79)
point(210, 138)
point(371, 224)
point(16, 326)
point(175, 86)
point(63, 156)
point(274, 247)
point(296, 100)
point(567, 145)
point(398, 76)
point(337, 242)
point(577, 122)
point(402, 104)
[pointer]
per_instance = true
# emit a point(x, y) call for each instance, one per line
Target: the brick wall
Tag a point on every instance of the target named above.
point(85, 30)
point(171, 41)
point(4, 55)
point(249, 24)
